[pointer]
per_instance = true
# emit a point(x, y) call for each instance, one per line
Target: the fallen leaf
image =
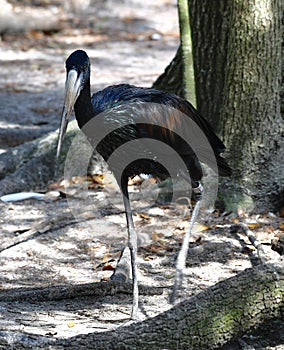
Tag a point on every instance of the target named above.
point(154, 248)
point(144, 216)
point(71, 324)
point(136, 180)
point(199, 228)
point(157, 236)
point(106, 257)
point(254, 225)
point(148, 258)
point(108, 268)
point(35, 34)
point(98, 179)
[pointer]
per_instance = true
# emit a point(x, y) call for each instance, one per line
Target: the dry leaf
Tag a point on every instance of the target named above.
point(71, 324)
point(136, 180)
point(144, 216)
point(199, 228)
point(154, 248)
point(148, 258)
point(108, 268)
point(98, 179)
point(254, 225)
point(107, 257)
point(35, 34)
point(157, 236)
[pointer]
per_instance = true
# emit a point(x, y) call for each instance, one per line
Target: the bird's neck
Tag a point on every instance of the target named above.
point(83, 107)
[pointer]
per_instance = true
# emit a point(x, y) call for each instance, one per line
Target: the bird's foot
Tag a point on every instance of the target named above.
point(135, 317)
point(129, 322)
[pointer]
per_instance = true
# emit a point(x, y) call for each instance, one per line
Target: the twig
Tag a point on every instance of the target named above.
point(258, 246)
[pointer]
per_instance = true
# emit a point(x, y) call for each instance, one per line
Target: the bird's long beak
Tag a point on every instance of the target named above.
point(72, 91)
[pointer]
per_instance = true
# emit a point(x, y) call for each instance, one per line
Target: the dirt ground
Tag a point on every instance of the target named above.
point(127, 41)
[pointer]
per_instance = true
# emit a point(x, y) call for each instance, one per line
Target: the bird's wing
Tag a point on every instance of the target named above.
point(134, 113)
point(156, 107)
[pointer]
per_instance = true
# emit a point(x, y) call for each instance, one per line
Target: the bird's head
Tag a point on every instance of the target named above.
point(78, 73)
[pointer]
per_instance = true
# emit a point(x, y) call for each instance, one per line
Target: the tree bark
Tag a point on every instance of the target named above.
point(206, 321)
point(208, 21)
point(209, 24)
point(250, 120)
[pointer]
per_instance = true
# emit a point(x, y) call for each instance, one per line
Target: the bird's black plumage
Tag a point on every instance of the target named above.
point(137, 113)
point(114, 102)
point(122, 95)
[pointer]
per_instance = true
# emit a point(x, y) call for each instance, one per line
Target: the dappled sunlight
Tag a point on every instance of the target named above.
point(58, 254)
point(263, 14)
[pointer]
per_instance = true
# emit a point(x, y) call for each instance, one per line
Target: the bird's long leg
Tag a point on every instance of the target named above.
point(180, 264)
point(132, 244)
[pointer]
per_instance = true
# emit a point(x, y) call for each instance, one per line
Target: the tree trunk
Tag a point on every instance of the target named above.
point(206, 321)
point(237, 61)
point(186, 49)
point(209, 25)
point(250, 121)
point(208, 21)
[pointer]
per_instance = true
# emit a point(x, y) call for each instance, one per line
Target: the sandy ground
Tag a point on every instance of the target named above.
point(127, 42)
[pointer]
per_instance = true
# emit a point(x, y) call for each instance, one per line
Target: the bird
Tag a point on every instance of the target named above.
point(157, 133)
